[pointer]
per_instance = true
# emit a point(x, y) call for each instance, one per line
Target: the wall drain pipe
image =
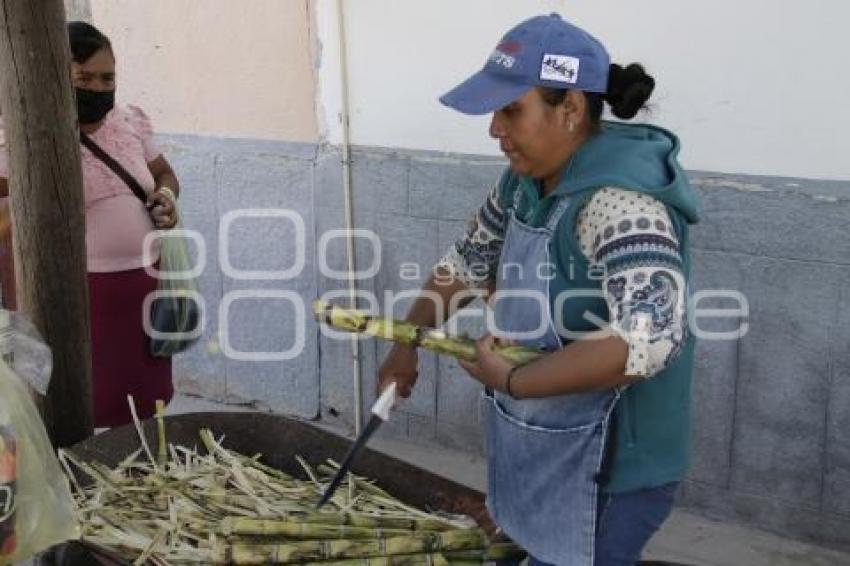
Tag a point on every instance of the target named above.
point(345, 116)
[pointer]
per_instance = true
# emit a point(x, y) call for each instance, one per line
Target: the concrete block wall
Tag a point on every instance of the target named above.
point(771, 410)
point(217, 178)
point(770, 441)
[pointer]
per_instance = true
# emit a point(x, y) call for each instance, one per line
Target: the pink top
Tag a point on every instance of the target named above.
point(116, 220)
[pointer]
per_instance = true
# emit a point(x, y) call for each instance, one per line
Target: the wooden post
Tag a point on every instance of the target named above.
point(7, 265)
point(46, 189)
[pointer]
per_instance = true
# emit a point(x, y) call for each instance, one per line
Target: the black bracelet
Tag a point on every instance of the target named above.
point(508, 382)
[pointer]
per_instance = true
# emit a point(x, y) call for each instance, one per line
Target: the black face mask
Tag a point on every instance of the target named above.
point(94, 105)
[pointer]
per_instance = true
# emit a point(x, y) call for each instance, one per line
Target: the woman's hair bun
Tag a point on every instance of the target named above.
point(629, 89)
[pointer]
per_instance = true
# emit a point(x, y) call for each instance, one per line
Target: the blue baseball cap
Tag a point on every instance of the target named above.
point(542, 51)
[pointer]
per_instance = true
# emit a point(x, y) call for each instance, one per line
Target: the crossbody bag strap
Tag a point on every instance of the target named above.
point(116, 167)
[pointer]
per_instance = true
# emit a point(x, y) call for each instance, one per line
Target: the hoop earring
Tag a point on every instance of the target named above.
point(571, 126)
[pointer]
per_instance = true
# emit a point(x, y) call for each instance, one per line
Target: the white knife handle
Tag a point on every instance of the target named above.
point(385, 403)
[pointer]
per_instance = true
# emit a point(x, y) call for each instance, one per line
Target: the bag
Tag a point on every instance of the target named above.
point(175, 311)
point(24, 350)
point(37, 509)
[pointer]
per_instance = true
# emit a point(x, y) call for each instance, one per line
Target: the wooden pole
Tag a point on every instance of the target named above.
point(46, 189)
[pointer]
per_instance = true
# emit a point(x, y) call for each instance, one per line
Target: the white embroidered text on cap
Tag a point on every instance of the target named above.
point(501, 58)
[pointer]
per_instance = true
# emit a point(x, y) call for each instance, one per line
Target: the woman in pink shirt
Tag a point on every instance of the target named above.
point(117, 222)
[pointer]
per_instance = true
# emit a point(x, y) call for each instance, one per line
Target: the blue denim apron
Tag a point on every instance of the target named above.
point(543, 454)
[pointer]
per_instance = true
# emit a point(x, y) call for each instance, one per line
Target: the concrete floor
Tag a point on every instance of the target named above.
point(685, 537)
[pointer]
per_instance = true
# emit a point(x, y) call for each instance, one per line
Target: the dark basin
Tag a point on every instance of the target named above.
point(279, 439)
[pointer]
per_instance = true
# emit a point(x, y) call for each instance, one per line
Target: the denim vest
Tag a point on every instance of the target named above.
point(543, 454)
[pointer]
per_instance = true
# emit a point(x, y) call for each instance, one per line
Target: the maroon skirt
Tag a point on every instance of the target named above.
point(121, 362)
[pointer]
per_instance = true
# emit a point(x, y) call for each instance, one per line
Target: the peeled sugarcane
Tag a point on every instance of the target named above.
point(353, 320)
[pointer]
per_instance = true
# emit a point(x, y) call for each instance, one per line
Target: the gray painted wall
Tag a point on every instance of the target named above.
point(772, 410)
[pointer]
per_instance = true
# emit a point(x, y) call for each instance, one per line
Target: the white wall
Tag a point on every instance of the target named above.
point(751, 86)
point(217, 67)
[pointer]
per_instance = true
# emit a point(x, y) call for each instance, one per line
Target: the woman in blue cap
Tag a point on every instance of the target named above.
point(582, 248)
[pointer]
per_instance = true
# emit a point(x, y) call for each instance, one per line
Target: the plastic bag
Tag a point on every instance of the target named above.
point(175, 314)
point(23, 350)
point(37, 509)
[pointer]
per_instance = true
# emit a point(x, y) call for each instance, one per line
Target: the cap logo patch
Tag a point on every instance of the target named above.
point(559, 68)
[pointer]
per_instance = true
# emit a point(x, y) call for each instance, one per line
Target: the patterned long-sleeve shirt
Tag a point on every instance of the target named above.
point(631, 236)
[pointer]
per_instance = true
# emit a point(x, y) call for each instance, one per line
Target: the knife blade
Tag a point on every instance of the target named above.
point(380, 414)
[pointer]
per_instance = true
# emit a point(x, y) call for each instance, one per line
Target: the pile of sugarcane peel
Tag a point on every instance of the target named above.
point(182, 506)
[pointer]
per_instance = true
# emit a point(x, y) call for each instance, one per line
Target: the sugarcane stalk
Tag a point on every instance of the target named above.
point(148, 552)
point(403, 560)
point(239, 525)
point(69, 473)
point(137, 423)
point(162, 449)
point(352, 519)
point(405, 523)
point(304, 531)
point(425, 521)
point(500, 551)
point(403, 332)
point(271, 472)
point(309, 471)
point(417, 543)
point(332, 467)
